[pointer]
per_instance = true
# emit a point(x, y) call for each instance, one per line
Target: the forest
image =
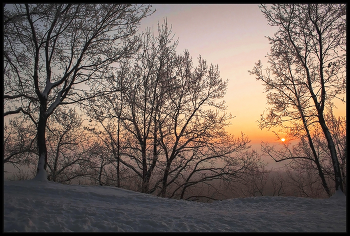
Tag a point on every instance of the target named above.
point(89, 99)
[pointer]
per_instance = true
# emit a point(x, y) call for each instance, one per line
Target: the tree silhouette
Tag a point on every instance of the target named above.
point(307, 71)
point(52, 52)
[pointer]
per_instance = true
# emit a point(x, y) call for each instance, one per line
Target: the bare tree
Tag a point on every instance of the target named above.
point(68, 146)
point(337, 127)
point(255, 181)
point(303, 181)
point(140, 82)
point(193, 112)
point(172, 119)
point(303, 168)
point(52, 51)
point(299, 153)
point(145, 95)
point(19, 142)
point(105, 127)
point(278, 183)
point(307, 72)
point(222, 159)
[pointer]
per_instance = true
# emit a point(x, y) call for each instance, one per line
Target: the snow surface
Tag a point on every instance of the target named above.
point(31, 205)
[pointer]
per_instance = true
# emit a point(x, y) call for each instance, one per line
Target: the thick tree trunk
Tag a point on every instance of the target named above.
point(145, 184)
point(42, 163)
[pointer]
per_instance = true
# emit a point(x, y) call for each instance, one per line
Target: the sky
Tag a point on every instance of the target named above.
point(43, 206)
point(233, 37)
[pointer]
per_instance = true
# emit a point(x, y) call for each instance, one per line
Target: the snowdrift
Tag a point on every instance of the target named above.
point(43, 206)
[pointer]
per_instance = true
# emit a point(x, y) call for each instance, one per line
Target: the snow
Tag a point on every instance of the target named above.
point(45, 206)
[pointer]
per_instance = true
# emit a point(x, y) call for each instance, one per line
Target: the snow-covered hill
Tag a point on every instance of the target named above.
point(47, 206)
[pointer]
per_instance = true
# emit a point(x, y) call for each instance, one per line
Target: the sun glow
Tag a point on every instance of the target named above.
point(283, 139)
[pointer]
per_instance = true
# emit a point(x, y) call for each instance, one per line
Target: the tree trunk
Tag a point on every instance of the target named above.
point(145, 184)
point(331, 147)
point(320, 173)
point(317, 162)
point(42, 163)
point(144, 169)
point(183, 191)
point(165, 179)
point(100, 174)
point(118, 154)
point(311, 144)
point(155, 155)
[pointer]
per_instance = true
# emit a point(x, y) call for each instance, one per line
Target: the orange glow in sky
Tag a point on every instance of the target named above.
point(232, 36)
point(283, 139)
